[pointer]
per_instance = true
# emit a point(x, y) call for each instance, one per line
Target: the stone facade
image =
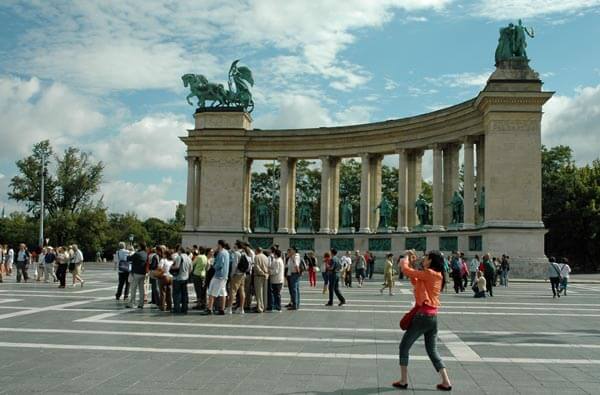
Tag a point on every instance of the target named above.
point(499, 132)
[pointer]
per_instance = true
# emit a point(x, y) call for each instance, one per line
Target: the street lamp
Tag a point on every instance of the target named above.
point(41, 239)
point(131, 240)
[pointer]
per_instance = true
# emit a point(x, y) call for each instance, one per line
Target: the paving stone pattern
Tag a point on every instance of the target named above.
point(80, 340)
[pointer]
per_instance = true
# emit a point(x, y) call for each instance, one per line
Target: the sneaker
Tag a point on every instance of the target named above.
point(221, 312)
point(228, 310)
point(127, 306)
point(140, 307)
point(342, 303)
point(391, 294)
point(207, 312)
point(328, 304)
point(242, 312)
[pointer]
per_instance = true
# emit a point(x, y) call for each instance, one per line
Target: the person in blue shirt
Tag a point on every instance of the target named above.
point(218, 284)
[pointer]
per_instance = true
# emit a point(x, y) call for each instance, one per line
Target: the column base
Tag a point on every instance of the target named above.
point(283, 230)
point(324, 231)
point(402, 229)
point(437, 227)
point(364, 230)
point(468, 226)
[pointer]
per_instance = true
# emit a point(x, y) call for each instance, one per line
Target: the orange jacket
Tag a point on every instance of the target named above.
point(427, 284)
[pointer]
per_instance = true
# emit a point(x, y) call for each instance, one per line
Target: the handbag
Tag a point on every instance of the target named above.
point(407, 319)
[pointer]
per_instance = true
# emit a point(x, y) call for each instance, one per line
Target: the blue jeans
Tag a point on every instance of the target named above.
point(180, 296)
point(334, 287)
point(294, 284)
point(505, 278)
point(325, 279)
point(422, 325)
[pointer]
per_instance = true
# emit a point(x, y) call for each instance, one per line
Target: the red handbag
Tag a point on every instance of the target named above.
point(407, 319)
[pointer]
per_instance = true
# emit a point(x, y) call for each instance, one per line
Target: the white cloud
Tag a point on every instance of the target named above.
point(574, 121)
point(512, 9)
point(31, 111)
point(416, 19)
point(354, 115)
point(139, 44)
point(390, 84)
point(149, 143)
point(416, 91)
point(461, 80)
point(146, 200)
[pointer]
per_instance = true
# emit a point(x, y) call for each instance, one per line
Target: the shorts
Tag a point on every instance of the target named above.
point(237, 283)
point(76, 270)
point(217, 287)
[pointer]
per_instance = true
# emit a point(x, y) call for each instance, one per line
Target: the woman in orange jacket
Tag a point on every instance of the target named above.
point(427, 285)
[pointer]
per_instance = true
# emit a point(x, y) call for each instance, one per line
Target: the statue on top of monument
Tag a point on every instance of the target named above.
point(512, 42)
point(240, 78)
point(263, 216)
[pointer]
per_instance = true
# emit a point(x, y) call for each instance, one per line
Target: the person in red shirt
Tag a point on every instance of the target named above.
point(427, 285)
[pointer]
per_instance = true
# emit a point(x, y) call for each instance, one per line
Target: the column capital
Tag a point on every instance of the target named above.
point(365, 155)
point(192, 157)
point(283, 158)
point(469, 140)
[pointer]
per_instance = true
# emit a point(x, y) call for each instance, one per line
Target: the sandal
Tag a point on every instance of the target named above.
point(399, 385)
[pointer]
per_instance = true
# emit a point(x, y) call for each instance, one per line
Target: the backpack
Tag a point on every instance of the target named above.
point(243, 265)
point(303, 266)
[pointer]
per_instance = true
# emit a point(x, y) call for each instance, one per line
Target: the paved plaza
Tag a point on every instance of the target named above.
point(82, 341)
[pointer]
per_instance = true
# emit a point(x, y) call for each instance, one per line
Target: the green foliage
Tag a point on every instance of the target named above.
point(76, 181)
point(19, 228)
point(569, 207)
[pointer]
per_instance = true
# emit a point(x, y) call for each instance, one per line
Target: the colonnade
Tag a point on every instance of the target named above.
point(445, 183)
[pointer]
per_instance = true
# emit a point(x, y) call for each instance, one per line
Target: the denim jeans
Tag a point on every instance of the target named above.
point(180, 296)
point(505, 278)
point(422, 325)
point(294, 284)
point(334, 287)
point(276, 296)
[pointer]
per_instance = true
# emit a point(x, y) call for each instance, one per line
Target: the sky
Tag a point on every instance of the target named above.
point(105, 76)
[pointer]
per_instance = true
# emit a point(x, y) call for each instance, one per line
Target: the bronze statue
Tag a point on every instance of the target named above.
point(457, 204)
point(422, 210)
point(385, 213)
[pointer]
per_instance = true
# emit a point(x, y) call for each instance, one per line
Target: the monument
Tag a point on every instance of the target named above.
point(499, 210)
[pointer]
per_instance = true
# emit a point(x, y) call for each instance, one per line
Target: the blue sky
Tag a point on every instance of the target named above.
point(105, 75)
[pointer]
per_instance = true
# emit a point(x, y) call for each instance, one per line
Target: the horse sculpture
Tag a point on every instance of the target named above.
point(239, 77)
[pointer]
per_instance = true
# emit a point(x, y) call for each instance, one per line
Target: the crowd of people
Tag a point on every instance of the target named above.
point(46, 264)
point(226, 279)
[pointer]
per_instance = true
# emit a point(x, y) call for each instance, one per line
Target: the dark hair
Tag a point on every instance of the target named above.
point(142, 245)
point(437, 264)
point(201, 250)
point(221, 243)
point(333, 251)
point(551, 259)
point(258, 250)
point(277, 253)
point(294, 249)
point(227, 247)
point(565, 260)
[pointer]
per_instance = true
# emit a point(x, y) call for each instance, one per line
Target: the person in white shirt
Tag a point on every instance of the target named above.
point(164, 265)
point(347, 269)
point(10, 259)
point(473, 268)
point(77, 259)
point(40, 265)
point(124, 267)
point(276, 271)
point(565, 270)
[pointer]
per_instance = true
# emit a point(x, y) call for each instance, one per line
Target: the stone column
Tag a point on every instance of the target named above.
point(402, 198)
point(375, 194)
point(414, 179)
point(198, 170)
point(451, 153)
point(480, 176)
point(247, 195)
point(469, 180)
point(292, 196)
point(284, 176)
point(365, 193)
point(334, 222)
point(191, 192)
point(438, 189)
point(325, 195)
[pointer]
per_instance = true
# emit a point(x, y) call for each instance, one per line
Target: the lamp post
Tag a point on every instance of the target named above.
point(41, 239)
point(131, 240)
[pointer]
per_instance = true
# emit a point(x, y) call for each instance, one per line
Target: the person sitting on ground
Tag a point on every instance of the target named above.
point(479, 288)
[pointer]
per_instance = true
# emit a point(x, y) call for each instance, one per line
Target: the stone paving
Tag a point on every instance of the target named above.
point(80, 340)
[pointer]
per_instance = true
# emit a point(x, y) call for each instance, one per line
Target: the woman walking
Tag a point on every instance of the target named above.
point(61, 271)
point(312, 269)
point(554, 276)
point(324, 274)
point(388, 274)
point(427, 285)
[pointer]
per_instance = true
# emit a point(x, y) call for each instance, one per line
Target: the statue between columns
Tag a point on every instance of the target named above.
point(347, 216)
point(423, 210)
point(305, 218)
point(263, 217)
point(458, 206)
point(385, 214)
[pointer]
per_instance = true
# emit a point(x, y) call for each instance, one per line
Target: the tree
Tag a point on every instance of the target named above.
point(77, 180)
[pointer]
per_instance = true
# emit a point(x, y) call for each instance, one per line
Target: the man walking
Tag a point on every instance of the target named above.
point(138, 269)
point(333, 270)
point(240, 268)
point(294, 273)
point(23, 258)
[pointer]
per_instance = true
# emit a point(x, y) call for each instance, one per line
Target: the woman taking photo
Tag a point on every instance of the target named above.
point(427, 285)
